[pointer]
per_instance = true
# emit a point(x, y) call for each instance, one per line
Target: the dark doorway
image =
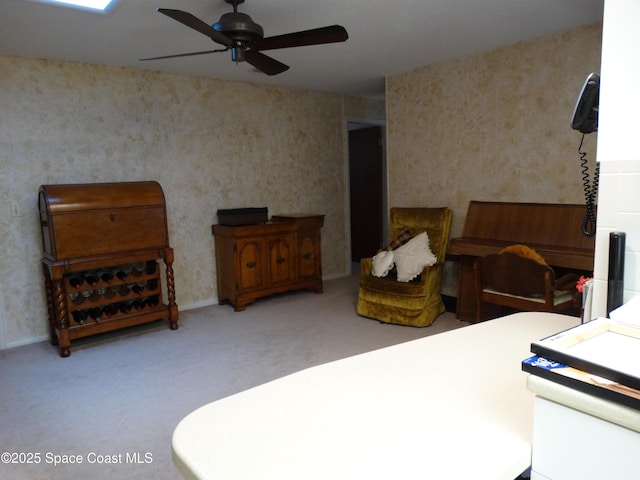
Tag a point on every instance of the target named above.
point(366, 184)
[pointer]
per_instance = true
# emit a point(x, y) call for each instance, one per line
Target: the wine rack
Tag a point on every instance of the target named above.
point(110, 296)
point(102, 243)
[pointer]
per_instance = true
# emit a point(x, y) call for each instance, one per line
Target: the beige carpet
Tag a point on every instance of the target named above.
point(113, 404)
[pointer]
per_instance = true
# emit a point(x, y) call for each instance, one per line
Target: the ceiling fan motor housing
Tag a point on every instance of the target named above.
point(239, 27)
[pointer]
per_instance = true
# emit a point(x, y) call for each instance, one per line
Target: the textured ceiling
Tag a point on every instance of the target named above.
point(385, 37)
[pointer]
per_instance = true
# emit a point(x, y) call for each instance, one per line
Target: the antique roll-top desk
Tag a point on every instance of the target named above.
point(553, 230)
point(101, 244)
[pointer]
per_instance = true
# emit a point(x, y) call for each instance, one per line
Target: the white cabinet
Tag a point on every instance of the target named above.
point(572, 445)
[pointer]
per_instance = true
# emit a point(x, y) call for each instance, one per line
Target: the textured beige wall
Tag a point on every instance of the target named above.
point(211, 144)
point(361, 108)
point(487, 127)
point(493, 126)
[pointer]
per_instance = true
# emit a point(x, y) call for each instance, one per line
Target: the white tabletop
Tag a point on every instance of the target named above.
point(448, 406)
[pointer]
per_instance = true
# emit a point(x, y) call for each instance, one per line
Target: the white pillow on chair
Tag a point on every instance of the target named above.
point(412, 257)
point(382, 263)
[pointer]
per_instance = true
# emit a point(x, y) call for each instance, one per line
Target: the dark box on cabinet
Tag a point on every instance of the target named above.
point(243, 216)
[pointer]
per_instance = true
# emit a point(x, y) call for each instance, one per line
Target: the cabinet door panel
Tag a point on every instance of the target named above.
point(280, 260)
point(308, 255)
point(251, 266)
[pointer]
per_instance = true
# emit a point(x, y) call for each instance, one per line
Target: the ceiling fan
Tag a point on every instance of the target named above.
point(239, 33)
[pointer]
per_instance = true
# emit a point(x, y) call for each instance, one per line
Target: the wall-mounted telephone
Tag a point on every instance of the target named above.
point(585, 113)
point(585, 120)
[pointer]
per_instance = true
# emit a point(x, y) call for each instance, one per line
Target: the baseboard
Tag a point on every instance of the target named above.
point(27, 341)
point(449, 303)
point(195, 305)
point(336, 276)
point(46, 338)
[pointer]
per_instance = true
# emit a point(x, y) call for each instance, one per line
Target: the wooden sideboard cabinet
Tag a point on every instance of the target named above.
point(101, 244)
point(254, 261)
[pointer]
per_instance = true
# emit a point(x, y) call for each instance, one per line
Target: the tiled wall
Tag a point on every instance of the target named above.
point(618, 151)
point(619, 211)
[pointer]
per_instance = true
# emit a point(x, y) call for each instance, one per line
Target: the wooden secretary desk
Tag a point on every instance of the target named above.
point(101, 244)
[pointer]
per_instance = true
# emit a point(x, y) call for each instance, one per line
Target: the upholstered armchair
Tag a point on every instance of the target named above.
point(417, 302)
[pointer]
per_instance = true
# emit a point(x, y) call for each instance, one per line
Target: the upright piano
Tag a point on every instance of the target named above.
point(553, 230)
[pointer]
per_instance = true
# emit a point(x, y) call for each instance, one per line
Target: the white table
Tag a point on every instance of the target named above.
point(448, 406)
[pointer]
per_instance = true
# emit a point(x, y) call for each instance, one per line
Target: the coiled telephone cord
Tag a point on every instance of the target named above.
point(590, 192)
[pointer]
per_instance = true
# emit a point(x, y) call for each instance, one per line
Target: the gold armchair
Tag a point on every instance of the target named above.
point(418, 302)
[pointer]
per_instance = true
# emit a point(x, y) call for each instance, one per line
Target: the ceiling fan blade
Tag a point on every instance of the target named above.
point(183, 54)
point(266, 64)
point(194, 22)
point(316, 36)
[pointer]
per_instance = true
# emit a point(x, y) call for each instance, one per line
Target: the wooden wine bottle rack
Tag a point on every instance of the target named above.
point(104, 227)
point(116, 293)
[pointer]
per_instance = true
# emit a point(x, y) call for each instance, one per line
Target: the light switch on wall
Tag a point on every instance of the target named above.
point(15, 209)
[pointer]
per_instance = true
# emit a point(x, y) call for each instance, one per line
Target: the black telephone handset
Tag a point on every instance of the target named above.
point(585, 113)
point(585, 120)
